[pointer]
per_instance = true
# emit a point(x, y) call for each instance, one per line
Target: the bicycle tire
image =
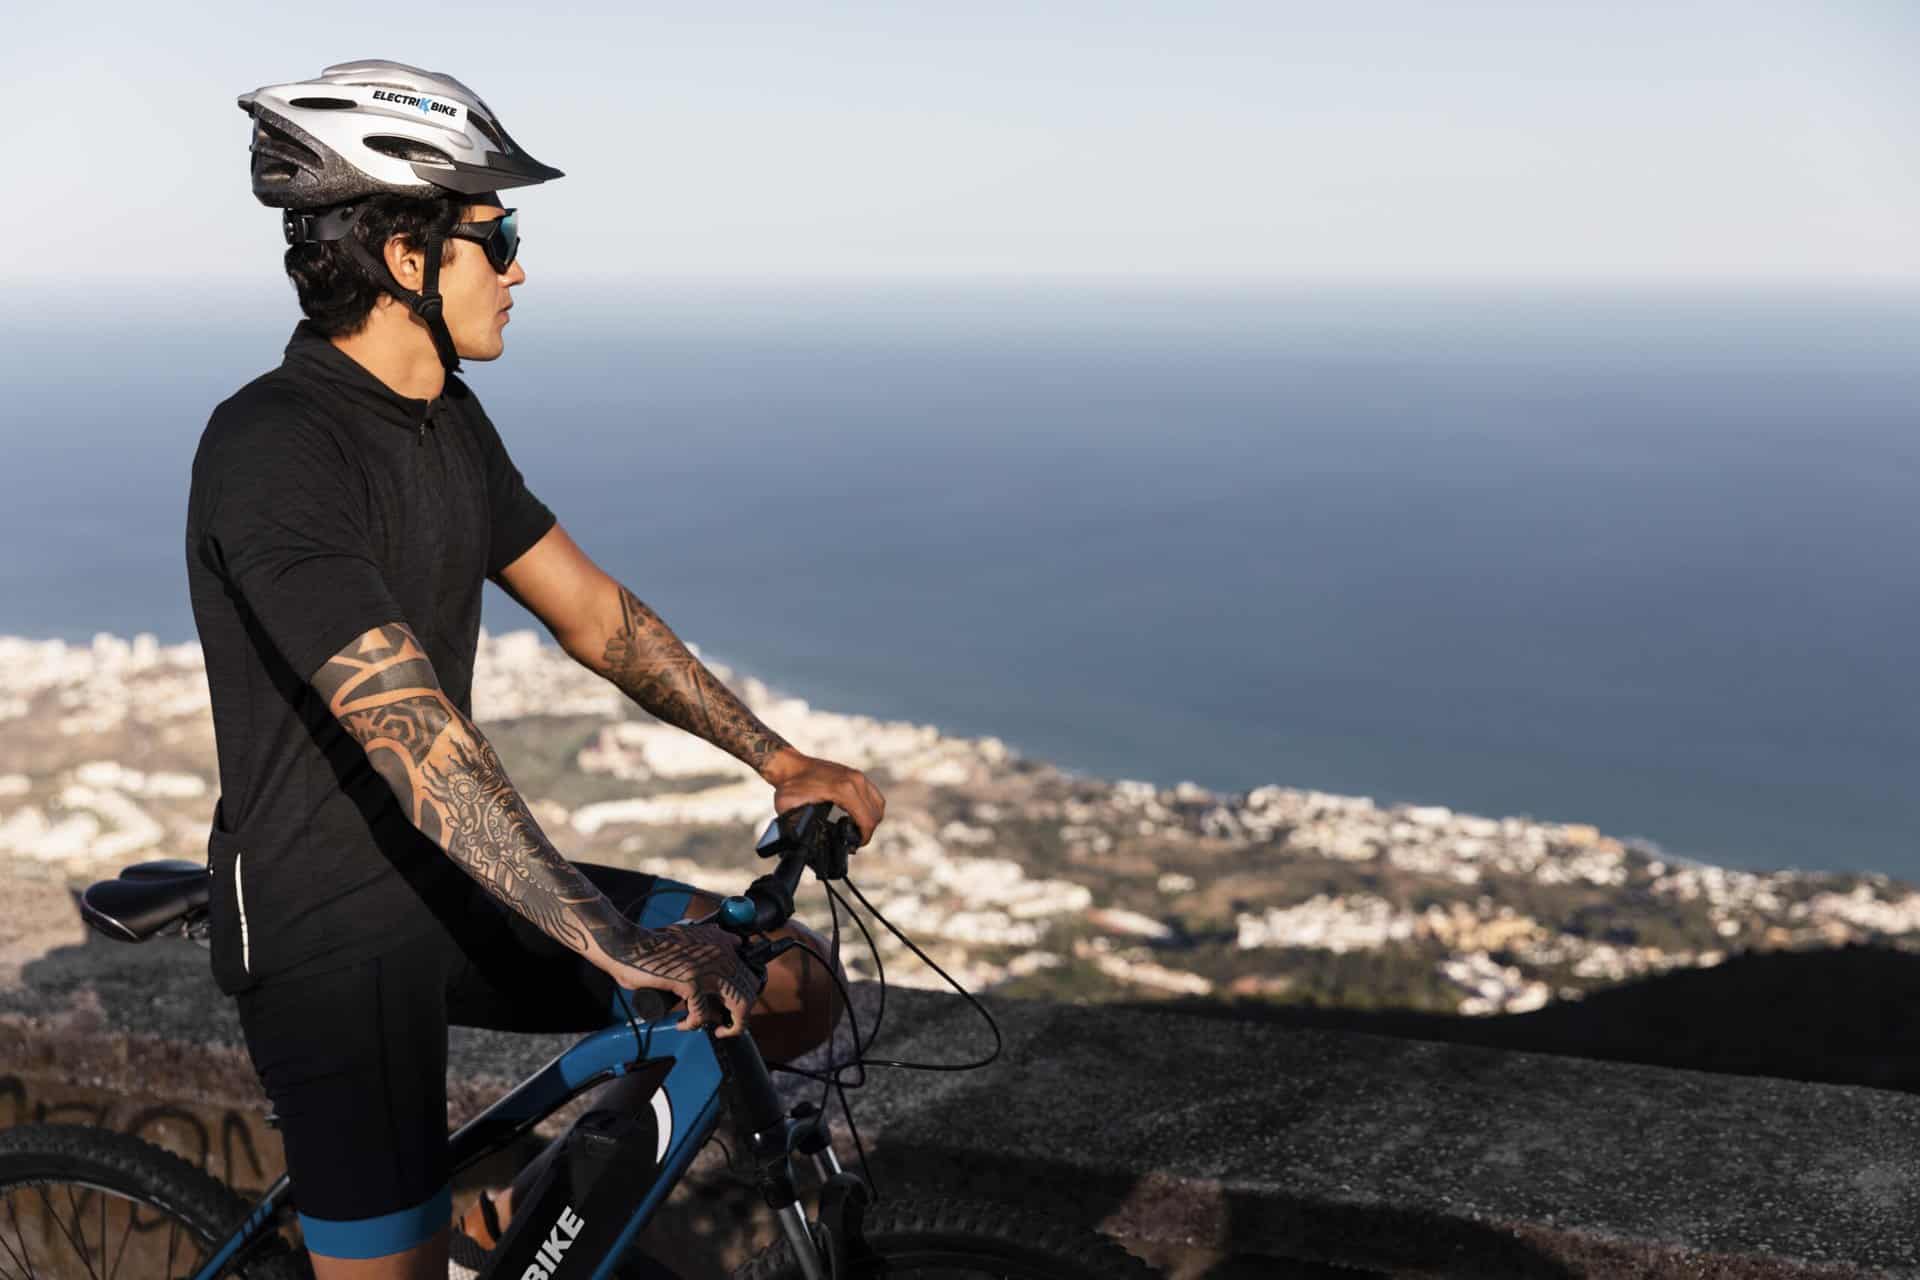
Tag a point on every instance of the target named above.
point(945, 1235)
point(36, 1156)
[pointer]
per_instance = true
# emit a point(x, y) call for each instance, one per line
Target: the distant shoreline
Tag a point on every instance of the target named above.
point(1021, 877)
point(1650, 848)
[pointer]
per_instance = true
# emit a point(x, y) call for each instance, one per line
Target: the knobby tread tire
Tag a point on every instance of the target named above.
point(985, 1232)
point(202, 1203)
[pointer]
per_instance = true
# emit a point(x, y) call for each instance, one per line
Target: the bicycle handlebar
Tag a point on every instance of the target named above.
point(811, 836)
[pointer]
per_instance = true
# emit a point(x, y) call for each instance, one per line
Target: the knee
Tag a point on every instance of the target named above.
point(801, 1004)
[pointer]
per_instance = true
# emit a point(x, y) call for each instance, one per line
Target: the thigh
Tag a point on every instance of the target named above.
point(522, 980)
point(355, 1062)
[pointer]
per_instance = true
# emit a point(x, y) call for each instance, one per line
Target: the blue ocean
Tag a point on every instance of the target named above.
point(1640, 559)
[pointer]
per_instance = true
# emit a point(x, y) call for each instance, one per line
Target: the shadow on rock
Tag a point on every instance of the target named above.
point(1834, 1016)
point(1264, 1231)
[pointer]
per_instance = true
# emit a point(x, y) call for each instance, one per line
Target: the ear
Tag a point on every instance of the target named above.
point(408, 266)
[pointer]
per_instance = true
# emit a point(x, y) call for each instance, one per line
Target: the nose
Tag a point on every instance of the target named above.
point(516, 274)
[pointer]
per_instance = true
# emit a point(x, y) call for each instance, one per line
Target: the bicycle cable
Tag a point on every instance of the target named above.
point(861, 1059)
point(879, 965)
point(830, 1074)
point(832, 1078)
point(998, 1042)
point(643, 1039)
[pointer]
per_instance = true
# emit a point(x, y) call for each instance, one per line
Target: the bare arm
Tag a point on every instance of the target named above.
point(451, 784)
point(608, 629)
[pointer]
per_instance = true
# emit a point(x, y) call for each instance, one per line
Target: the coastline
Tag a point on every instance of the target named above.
point(1020, 876)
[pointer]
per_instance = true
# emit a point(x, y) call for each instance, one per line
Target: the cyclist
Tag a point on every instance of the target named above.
point(376, 874)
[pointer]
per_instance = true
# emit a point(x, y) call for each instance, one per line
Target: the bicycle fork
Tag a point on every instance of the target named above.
point(773, 1138)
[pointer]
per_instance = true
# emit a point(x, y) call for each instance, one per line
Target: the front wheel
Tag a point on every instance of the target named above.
point(955, 1240)
point(92, 1204)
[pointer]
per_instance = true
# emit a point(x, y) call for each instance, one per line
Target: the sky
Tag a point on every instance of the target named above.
point(1672, 141)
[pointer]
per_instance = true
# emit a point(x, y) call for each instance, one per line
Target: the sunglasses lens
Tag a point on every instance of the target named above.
point(503, 246)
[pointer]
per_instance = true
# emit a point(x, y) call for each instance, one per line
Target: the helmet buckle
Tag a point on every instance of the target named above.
point(325, 224)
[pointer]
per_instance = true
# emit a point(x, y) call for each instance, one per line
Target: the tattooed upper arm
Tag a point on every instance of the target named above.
point(448, 779)
point(383, 690)
point(373, 669)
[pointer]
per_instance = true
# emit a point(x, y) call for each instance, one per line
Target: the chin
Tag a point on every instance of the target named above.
point(491, 351)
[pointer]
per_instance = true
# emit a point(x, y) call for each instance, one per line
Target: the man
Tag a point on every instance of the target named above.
point(376, 874)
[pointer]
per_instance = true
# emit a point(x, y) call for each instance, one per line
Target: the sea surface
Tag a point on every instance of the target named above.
point(1640, 559)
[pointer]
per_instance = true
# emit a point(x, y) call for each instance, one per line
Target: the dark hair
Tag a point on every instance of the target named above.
point(336, 292)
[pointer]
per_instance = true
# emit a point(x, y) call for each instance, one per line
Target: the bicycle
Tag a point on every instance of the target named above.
point(612, 1169)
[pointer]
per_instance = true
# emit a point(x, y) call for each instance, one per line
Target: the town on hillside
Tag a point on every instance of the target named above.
point(1014, 875)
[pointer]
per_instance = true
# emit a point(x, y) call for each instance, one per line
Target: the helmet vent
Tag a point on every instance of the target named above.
point(410, 150)
point(324, 104)
point(281, 145)
point(491, 134)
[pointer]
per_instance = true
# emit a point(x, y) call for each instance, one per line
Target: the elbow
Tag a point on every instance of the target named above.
point(583, 646)
point(590, 625)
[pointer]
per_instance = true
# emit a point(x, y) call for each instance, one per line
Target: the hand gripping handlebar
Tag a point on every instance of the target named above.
point(818, 836)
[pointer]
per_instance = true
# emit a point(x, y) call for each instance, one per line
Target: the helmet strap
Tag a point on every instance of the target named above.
point(427, 304)
point(429, 307)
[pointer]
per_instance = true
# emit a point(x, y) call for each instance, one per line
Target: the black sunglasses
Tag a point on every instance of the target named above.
point(500, 237)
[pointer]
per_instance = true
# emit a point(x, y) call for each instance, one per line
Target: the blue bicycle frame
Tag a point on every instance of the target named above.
point(686, 1108)
point(576, 1229)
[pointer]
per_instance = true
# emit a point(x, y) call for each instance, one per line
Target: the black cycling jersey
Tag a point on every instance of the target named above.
point(325, 504)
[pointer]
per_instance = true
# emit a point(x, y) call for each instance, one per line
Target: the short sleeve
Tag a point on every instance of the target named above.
point(517, 518)
point(286, 525)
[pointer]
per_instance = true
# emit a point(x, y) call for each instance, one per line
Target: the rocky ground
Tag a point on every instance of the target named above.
point(1013, 874)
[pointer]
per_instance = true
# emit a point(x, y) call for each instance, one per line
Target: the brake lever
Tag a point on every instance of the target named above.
point(843, 838)
point(765, 951)
point(756, 955)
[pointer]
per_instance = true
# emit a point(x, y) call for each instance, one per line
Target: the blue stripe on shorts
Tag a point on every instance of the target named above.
point(378, 1237)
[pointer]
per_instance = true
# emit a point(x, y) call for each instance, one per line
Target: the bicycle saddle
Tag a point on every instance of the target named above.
point(147, 897)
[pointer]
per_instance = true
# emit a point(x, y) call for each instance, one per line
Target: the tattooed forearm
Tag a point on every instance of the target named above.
point(489, 830)
point(452, 785)
point(650, 665)
point(382, 690)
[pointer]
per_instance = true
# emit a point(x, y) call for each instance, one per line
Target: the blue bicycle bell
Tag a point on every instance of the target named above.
point(738, 911)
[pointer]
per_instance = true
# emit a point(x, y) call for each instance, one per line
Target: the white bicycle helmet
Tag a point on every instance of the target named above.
point(362, 128)
point(369, 128)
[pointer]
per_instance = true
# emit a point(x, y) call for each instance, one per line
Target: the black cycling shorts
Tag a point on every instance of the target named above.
point(355, 1060)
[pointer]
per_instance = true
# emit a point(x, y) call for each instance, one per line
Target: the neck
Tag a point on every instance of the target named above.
point(396, 348)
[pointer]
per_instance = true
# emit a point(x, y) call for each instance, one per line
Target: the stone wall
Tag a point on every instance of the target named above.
point(1214, 1147)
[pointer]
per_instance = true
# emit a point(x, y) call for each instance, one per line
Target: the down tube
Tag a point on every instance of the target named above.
point(687, 1106)
point(607, 1053)
point(255, 1224)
